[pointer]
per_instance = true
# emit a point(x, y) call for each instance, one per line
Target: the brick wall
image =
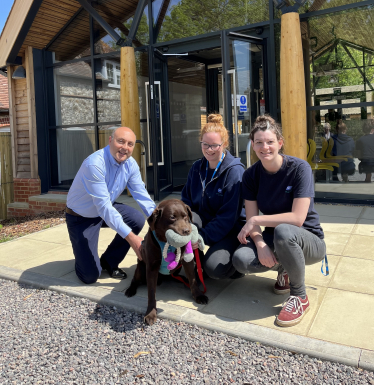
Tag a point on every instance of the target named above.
point(4, 121)
point(25, 188)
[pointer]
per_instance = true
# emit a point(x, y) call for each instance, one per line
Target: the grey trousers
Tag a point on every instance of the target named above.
point(294, 247)
point(217, 262)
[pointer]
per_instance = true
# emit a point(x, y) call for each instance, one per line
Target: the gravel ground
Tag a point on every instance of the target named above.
point(50, 338)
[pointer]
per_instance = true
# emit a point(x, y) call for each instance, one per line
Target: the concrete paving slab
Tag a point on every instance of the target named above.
point(251, 299)
point(345, 318)
point(335, 242)
point(313, 275)
point(57, 234)
point(360, 246)
point(365, 227)
point(367, 360)
point(337, 224)
point(354, 274)
point(339, 210)
point(42, 257)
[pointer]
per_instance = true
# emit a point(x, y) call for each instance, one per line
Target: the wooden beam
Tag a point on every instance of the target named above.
point(29, 63)
point(12, 118)
point(130, 114)
point(292, 87)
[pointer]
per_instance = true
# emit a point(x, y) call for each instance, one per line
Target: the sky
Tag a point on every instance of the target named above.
point(5, 7)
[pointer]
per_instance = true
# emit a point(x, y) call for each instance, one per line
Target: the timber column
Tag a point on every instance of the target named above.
point(130, 114)
point(292, 87)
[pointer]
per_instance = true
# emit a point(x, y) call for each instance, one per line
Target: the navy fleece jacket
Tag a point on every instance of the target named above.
point(220, 206)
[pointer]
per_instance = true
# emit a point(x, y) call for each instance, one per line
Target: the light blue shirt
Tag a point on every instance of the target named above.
point(100, 181)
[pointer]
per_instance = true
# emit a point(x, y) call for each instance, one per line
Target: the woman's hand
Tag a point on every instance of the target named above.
point(265, 255)
point(195, 245)
point(244, 232)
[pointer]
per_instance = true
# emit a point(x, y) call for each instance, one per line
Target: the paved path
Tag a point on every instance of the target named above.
point(338, 327)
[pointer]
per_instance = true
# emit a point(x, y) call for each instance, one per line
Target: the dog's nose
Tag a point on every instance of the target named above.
point(186, 232)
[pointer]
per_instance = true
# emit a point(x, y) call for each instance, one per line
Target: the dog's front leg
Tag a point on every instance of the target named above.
point(152, 275)
point(197, 294)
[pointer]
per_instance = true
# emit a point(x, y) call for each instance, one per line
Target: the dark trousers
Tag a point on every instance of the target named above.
point(84, 237)
point(217, 262)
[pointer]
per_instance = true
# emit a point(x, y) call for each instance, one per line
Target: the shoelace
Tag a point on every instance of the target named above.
point(293, 302)
point(281, 280)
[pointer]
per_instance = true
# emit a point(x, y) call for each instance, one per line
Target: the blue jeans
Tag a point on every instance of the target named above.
point(84, 237)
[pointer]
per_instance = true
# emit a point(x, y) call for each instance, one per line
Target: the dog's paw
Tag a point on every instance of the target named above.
point(202, 299)
point(131, 291)
point(151, 317)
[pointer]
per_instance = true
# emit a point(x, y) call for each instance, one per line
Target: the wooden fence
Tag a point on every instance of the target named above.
point(6, 173)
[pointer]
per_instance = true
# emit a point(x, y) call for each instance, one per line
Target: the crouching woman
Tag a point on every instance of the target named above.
point(282, 188)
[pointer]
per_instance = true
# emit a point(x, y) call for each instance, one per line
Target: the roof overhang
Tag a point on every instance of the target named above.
point(15, 30)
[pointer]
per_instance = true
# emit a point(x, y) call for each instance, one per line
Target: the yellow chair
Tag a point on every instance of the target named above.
point(312, 147)
point(325, 154)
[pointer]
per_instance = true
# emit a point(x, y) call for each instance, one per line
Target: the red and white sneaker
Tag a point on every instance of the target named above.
point(293, 311)
point(282, 286)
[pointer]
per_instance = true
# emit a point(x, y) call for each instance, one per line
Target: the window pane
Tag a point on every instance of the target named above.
point(70, 147)
point(105, 132)
point(74, 94)
point(178, 19)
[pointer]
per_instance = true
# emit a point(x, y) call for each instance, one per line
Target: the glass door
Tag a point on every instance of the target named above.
point(158, 129)
point(245, 87)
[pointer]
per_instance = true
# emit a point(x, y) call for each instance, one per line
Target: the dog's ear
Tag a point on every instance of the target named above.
point(189, 212)
point(153, 218)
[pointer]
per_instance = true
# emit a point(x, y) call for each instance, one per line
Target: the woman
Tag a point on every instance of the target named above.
point(213, 191)
point(282, 188)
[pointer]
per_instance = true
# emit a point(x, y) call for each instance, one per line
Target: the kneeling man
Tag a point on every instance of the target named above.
point(91, 205)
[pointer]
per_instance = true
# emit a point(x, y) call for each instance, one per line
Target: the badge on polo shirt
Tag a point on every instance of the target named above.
point(288, 189)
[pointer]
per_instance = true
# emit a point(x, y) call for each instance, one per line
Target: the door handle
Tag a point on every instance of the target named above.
point(232, 72)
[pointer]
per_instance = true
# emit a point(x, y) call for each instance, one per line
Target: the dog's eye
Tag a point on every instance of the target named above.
point(172, 217)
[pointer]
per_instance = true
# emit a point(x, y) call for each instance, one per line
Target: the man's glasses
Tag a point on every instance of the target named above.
point(214, 147)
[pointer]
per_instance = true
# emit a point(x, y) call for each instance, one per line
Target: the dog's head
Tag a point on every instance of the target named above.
point(171, 214)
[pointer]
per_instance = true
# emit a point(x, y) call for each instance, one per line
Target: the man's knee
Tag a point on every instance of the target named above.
point(138, 222)
point(88, 277)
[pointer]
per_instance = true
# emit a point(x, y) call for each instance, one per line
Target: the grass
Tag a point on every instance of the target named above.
point(6, 239)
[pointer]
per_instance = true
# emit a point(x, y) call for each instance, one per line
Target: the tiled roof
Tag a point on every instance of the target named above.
point(4, 98)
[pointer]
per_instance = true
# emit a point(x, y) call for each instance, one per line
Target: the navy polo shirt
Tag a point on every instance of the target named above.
point(275, 193)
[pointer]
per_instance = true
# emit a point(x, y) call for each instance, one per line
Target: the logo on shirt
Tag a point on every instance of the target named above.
point(288, 189)
point(219, 190)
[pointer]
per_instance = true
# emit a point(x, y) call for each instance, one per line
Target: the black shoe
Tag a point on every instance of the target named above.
point(117, 273)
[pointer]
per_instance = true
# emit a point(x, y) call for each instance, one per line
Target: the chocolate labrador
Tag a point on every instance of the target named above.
point(170, 214)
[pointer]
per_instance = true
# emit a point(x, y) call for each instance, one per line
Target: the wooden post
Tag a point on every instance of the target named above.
point(29, 64)
point(12, 119)
point(292, 87)
point(130, 114)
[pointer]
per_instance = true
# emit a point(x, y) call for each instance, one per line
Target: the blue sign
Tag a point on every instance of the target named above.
point(243, 103)
point(243, 100)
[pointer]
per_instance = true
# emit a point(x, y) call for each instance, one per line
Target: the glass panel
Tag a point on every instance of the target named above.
point(141, 61)
point(74, 93)
point(104, 43)
point(178, 19)
point(74, 40)
point(187, 91)
point(107, 74)
point(248, 90)
point(142, 34)
point(72, 146)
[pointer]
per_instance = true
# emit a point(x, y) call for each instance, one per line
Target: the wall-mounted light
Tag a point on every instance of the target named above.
point(19, 73)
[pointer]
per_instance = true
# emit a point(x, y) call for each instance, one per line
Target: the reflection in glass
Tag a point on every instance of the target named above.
point(74, 96)
point(105, 132)
point(108, 81)
point(187, 92)
point(177, 19)
point(73, 145)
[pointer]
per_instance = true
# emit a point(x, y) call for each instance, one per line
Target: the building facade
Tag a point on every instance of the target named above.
point(192, 58)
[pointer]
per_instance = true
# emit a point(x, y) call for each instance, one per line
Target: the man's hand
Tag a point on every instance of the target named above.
point(136, 243)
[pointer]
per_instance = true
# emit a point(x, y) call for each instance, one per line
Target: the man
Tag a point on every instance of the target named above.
point(91, 204)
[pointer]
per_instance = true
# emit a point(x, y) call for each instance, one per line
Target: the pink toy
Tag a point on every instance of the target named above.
point(172, 258)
